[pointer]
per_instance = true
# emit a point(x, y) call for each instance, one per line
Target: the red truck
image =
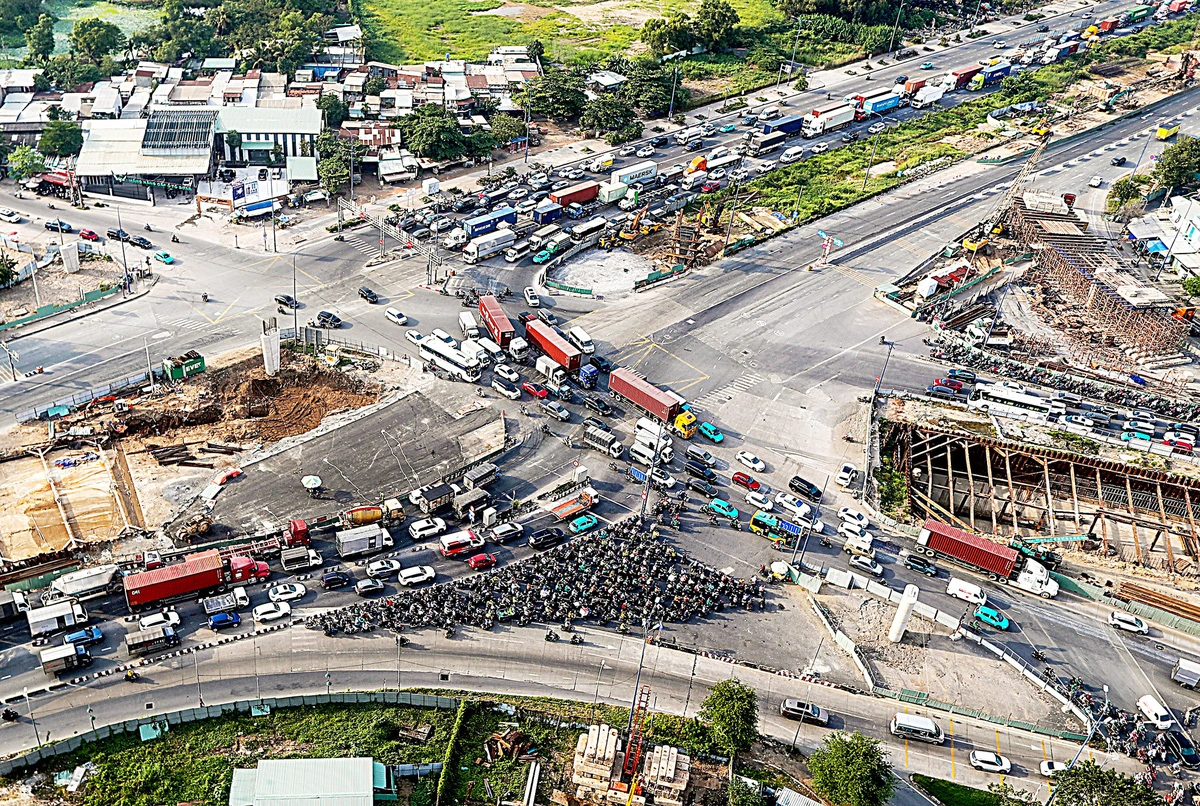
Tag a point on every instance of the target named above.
point(997, 562)
point(963, 75)
point(913, 85)
point(643, 394)
point(1111, 24)
point(546, 339)
point(575, 505)
point(198, 574)
point(496, 321)
point(582, 193)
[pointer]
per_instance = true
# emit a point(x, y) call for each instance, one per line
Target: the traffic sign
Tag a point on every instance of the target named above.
point(789, 527)
point(637, 475)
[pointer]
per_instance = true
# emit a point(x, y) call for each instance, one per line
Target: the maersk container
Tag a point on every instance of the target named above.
point(643, 394)
point(635, 173)
point(971, 550)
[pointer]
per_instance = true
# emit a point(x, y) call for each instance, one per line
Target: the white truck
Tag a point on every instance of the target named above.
point(685, 136)
point(827, 118)
point(927, 96)
point(550, 370)
point(300, 558)
point(485, 246)
point(226, 602)
point(693, 180)
point(363, 540)
point(518, 348)
point(56, 617)
point(468, 325)
point(603, 440)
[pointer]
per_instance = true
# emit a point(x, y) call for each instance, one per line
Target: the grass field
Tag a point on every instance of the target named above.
point(952, 794)
point(127, 17)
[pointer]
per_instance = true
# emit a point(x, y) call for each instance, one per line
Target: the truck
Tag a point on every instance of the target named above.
point(550, 369)
point(12, 604)
point(602, 163)
point(470, 501)
point(518, 348)
point(65, 658)
point(436, 497)
point(827, 118)
point(467, 325)
point(300, 558)
point(576, 505)
point(789, 124)
point(879, 104)
point(496, 320)
point(765, 143)
point(697, 178)
point(656, 402)
point(485, 246)
point(997, 562)
point(989, 76)
point(638, 172)
point(489, 222)
point(480, 475)
point(588, 376)
point(612, 192)
point(957, 79)
point(543, 234)
point(86, 583)
point(547, 339)
point(926, 96)
point(601, 440)
point(1137, 14)
point(547, 212)
point(198, 574)
point(684, 136)
point(389, 513)
point(226, 602)
point(1060, 52)
point(362, 540)
point(575, 194)
point(151, 640)
point(1110, 24)
point(55, 617)
point(1186, 673)
point(913, 86)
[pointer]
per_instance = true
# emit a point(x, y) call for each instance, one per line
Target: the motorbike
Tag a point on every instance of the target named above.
point(552, 636)
point(825, 542)
point(339, 237)
point(1039, 655)
point(9, 715)
point(51, 206)
point(132, 676)
point(148, 228)
point(204, 296)
point(736, 524)
point(174, 239)
point(545, 429)
point(576, 639)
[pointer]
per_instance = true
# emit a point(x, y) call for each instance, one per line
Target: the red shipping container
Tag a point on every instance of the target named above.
point(496, 321)
point(643, 394)
point(576, 194)
point(973, 550)
point(913, 85)
point(546, 339)
point(964, 74)
point(198, 572)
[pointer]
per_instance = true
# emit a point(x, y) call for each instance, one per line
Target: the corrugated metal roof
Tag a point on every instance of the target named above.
point(315, 782)
point(787, 797)
point(263, 120)
point(242, 791)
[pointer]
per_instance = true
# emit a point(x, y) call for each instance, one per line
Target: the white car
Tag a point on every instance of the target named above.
point(1078, 419)
point(646, 151)
point(393, 315)
point(438, 333)
point(988, 761)
point(506, 532)
point(527, 206)
point(867, 565)
point(506, 389)
point(414, 336)
point(518, 194)
point(416, 575)
point(1180, 436)
point(818, 526)
point(626, 151)
point(999, 44)
point(167, 618)
point(764, 167)
point(382, 569)
point(425, 528)
point(739, 175)
point(1119, 619)
point(287, 593)
point(1050, 768)
point(716, 174)
point(271, 611)
point(751, 461)
point(11, 216)
point(850, 515)
point(820, 148)
point(876, 128)
point(660, 476)
point(852, 531)
point(846, 475)
point(792, 505)
point(507, 373)
point(760, 501)
point(531, 297)
point(1096, 181)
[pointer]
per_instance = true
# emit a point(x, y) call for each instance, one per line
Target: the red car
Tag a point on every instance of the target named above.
point(88, 235)
point(744, 480)
point(949, 383)
point(481, 561)
point(525, 317)
point(709, 187)
point(537, 390)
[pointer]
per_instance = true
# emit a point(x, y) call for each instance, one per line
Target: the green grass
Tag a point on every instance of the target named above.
point(952, 794)
point(127, 17)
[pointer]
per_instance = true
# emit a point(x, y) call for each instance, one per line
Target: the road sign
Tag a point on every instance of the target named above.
point(789, 527)
point(637, 475)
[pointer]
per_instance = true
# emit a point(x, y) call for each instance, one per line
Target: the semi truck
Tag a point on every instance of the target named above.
point(612, 192)
point(56, 617)
point(638, 172)
point(576, 194)
point(763, 144)
point(485, 246)
point(550, 369)
point(959, 78)
point(65, 658)
point(1137, 14)
point(575, 505)
point(300, 558)
point(547, 212)
point(488, 222)
point(997, 562)
point(656, 402)
point(12, 604)
point(151, 640)
point(1060, 52)
point(879, 104)
point(927, 96)
point(86, 583)
point(913, 86)
point(547, 339)
point(496, 321)
point(198, 574)
point(227, 602)
point(789, 124)
point(362, 540)
point(601, 440)
point(989, 76)
point(827, 118)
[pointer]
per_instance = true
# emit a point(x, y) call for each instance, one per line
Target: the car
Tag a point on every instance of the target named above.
point(164, 618)
point(759, 501)
point(716, 174)
point(118, 234)
point(876, 128)
point(140, 242)
point(900, 79)
point(426, 528)
point(926, 65)
point(711, 432)
point(848, 137)
point(626, 151)
point(271, 611)
point(1078, 419)
point(395, 317)
point(951, 383)
point(481, 561)
point(507, 373)
point(163, 256)
point(556, 410)
point(720, 506)
point(421, 234)
point(332, 580)
point(1145, 426)
point(518, 194)
point(368, 587)
point(603, 364)
point(535, 389)
point(328, 319)
point(915, 562)
point(547, 317)
point(370, 296)
point(543, 538)
point(710, 187)
point(288, 592)
point(1120, 620)
point(746, 480)
point(750, 120)
point(58, 225)
point(964, 375)
point(999, 44)
point(415, 575)
point(851, 515)
point(575, 174)
point(660, 476)
point(559, 186)
point(764, 167)
point(1188, 427)
point(1096, 181)
point(1172, 437)
point(804, 711)
point(506, 389)
point(694, 145)
point(820, 148)
point(1118, 161)
point(703, 487)
point(88, 235)
point(987, 761)
point(583, 523)
point(286, 300)
point(991, 617)
point(382, 569)
point(11, 216)
point(751, 461)
point(219, 621)
point(1041, 29)
point(727, 128)
point(596, 422)
point(866, 565)
point(528, 206)
point(852, 531)
point(846, 475)
point(88, 635)
point(943, 392)
point(414, 336)
point(506, 532)
point(531, 297)
point(1049, 768)
point(792, 505)
point(805, 488)
point(1180, 745)
point(525, 317)
point(1129, 436)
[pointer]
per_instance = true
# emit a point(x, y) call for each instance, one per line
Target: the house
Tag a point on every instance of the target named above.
point(605, 81)
point(343, 45)
point(264, 129)
point(320, 782)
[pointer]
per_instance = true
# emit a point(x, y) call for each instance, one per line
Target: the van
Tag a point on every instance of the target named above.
point(516, 251)
point(579, 337)
point(1186, 673)
point(468, 326)
point(770, 113)
point(921, 728)
point(1070, 399)
point(697, 454)
point(860, 546)
point(699, 470)
point(645, 454)
point(717, 153)
point(792, 155)
point(493, 350)
point(966, 591)
point(656, 442)
point(650, 427)
point(1156, 712)
point(457, 543)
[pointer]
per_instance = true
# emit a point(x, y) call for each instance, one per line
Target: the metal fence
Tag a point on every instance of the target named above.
point(81, 398)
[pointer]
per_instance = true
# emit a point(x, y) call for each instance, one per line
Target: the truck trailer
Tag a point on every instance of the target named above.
point(547, 212)
point(151, 640)
point(959, 78)
point(362, 540)
point(827, 118)
point(998, 563)
point(789, 124)
point(485, 246)
point(762, 144)
point(878, 104)
point(989, 76)
point(611, 192)
point(576, 194)
point(86, 583)
point(639, 172)
point(547, 339)
point(65, 658)
point(198, 574)
point(56, 617)
point(656, 402)
point(488, 222)
point(496, 321)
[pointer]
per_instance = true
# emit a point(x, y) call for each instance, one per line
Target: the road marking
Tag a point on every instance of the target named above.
point(953, 772)
point(998, 751)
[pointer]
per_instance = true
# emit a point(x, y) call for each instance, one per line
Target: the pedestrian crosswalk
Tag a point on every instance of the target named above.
point(725, 393)
point(184, 324)
point(365, 247)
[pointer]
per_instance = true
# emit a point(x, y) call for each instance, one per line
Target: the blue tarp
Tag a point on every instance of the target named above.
point(1156, 246)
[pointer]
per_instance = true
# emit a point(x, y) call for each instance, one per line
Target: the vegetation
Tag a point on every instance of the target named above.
point(557, 94)
point(24, 162)
point(333, 169)
point(1191, 286)
point(61, 138)
point(893, 488)
point(851, 770)
point(8, 269)
point(949, 793)
point(1088, 784)
point(1178, 163)
point(731, 713)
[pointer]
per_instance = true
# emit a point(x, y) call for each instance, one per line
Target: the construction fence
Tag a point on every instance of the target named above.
point(1099, 594)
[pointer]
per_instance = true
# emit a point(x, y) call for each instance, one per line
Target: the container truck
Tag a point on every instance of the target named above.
point(547, 339)
point(1137, 14)
point(574, 506)
point(601, 440)
point(656, 402)
point(300, 558)
point(496, 320)
point(959, 78)
point(518, 348)
point(913, 86)
point(612, 192)
point(927, 96)
point(789, 124)
point(228, 602)
point(997, 562)
point(879, 104)
point(827, 118)
point(549, 369)
point(488, 222)
point(86, 583)
point(151, 640)
point(65, 658)
point(576, 194)
point(480, 475)
point(547, 211)
point(1060, 52)
point(764, 143)
point(635, 173)
point(198, 574)
point(989, 76)
point(362, 540)
point(56, 617)
point(486, 246)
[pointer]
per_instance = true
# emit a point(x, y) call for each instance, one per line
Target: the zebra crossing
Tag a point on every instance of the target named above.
point(358, 244)
point(724, 394)
point(184, 324)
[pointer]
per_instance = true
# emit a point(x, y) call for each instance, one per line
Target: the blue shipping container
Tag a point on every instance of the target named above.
point(488, 221)
point(788, 124)
point(547, 213)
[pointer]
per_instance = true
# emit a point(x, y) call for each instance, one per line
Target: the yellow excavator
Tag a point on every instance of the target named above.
point(634, 229)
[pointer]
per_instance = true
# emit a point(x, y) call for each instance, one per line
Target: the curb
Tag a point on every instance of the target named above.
point(56, 319)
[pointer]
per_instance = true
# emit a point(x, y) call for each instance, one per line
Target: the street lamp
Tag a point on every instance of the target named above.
point(795, 47)
point(874, 146)
point(32, 720)
point(1086, 742)
point(891, 345)
point(811, 525)
point(895, 27)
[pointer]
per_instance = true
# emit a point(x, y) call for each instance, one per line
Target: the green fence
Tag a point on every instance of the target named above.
point(49, 310)
point(923, 700)
point(570, 289)
point(1098, 594)
point(660, 275)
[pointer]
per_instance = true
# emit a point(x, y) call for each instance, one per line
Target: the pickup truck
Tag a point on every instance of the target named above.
point(226, 602)
point(574, 506)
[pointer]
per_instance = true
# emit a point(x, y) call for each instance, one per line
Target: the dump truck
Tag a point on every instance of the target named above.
point(496, 321)
point(86, 583)
point(65, 658)
point(56, 617)
point(151, 640)
point(574, 506)
point(183, 366)
point(647, 397)
point(362, 540)
point(198, 574)
point(436, 497)
point(997, 562)
point(226, 602)
point(548, 340)
point(602, 440)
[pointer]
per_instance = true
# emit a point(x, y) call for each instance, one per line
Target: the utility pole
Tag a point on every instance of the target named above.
point(792, 61)
point(121, 229)
point(729, 228)
point(895, 28)
point(296, 303)
point(674, 83)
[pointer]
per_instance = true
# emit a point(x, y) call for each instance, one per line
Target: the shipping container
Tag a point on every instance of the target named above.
point(488, 222)
point(827, 118)
point(959, 78)
point(547, 211)
point(548, 340)
point(496, 321)
point(198, 573)
point(644, 395)
point(973, 551)
point(877, 105)
point(761, 144)
point(913, 85)
point(635, 173)
point(576, 194)
point(56, 617)
point(612, 191)
point(788, 125)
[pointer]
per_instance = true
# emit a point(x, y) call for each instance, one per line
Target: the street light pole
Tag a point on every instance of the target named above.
point(879, 381)
point(637, 683)
point(32, 720)
point(895, 28)
point(1086, 742)
point(674, 82)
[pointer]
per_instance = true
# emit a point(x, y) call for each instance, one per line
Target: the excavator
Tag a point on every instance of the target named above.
point(710, 216)
point(634, 230)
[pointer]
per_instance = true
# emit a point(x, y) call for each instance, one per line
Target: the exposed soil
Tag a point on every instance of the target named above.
point(55, 286)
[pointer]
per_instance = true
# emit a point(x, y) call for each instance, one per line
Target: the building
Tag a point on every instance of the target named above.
point(1173, 234)
point(319, 782)
point(265, 130)
point(605, 81)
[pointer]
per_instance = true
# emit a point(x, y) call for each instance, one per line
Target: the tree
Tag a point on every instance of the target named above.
point(40, 39)
point(1191, 286)
point(93, 38)
point(17, 16)
point(1178, 163)
point(668, 35)
point(8, 270)
point(794, 9)
point(374, 85)
point(1123, 191)
point(334, 109)
point(332, 172)
point(606, 113)
point(67, 72)
point(24, 162)
point(557, 94)
point(731, 713)
point(851, 770)
point(536, 49)
point(1087, 784)
point(432, 132)
point(61, 138)
point(506, 128)
point(1008, 795)
point(233, 140)
point(740, 794)
point(714, 21)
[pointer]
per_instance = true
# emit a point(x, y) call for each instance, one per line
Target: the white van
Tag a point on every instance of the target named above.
point(644, 454)
point(493, 349)
point(1156, 712)
point(770, 113)
point(468, 325)
point(656, 442)
point(960, 589)
point(792, 154)
point(579, 337)
point(921, 728)
point(650, 427)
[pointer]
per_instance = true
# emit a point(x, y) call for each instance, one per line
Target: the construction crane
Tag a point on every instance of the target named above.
point(633, 751)
point(993, 224)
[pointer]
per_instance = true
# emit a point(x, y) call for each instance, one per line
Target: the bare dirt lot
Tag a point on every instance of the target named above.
point(56, 287)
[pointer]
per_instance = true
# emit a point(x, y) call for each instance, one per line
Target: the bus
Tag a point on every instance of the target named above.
point(450, 359)
point(767, 525)
point(1007, 402)
point(594, 226)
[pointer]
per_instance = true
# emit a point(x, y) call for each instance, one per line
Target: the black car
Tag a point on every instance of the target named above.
point(1181, 746)
point(1041, 29)
point(547, 317)
point(597, 405)
point(538, 195)
point(369, 295)
point(915, 562)
point(698, 470)
point(464, 204)
point(659, 142)
point(118, 234)
point(327, 319)
point(595, 422)
point(849, 137)
point(59, 226)
point(545, 537)
point(694, 145)
point(286, 300)
point(703, 487)
point(601, 363)
point(901, 79)
point(140, 242)
point(335, 579)
point(804, 487)
point(1118, 160)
